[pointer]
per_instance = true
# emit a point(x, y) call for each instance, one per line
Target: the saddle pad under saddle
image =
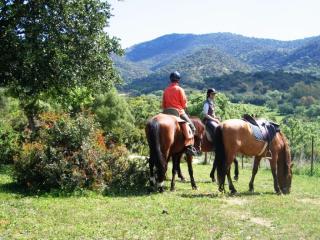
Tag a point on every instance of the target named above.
point(266, 132)
point(256, 132)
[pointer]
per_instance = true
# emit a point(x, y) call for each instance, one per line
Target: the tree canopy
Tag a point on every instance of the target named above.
point(48, 47)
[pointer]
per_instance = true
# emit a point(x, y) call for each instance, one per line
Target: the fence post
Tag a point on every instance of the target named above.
point(312, 142)
point(205, 158)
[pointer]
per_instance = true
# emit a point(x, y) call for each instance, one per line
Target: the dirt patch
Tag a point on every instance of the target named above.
point(3, 222)
point(261, 221)
point(236, 201)
point(309, 201)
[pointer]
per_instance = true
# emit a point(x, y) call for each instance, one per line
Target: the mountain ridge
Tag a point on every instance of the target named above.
point(209, 55)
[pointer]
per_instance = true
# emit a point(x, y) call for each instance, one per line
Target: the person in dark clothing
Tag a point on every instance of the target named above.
point(210, 119)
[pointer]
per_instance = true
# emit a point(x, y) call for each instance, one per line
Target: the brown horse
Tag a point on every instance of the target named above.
point(202, 144)
point(165, 139)
point(235, 136)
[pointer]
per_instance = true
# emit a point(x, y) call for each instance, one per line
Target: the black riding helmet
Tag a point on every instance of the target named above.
point(175, 76)
point(211, 90)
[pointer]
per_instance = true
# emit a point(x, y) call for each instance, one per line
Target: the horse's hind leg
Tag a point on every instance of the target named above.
point(180, 175)
point(236, 169)
point(231, 186)
point(152, 177)
point(175, 163)
point(190, 169)
point(254, 172)
point(212, 173)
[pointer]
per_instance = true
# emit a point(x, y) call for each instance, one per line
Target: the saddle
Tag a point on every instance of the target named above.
point(262, 129)
point(186, 130)
point(210, 129)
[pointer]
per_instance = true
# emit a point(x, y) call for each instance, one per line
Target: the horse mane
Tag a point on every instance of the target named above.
point(197, 123)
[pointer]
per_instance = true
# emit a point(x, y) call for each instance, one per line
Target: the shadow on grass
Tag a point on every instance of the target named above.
point(226, 194)
point(200, 195)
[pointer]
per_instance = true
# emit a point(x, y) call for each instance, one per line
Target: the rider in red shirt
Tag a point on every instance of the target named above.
point(175, 97)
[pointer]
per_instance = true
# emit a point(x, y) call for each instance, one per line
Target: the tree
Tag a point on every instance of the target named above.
point(49, 47)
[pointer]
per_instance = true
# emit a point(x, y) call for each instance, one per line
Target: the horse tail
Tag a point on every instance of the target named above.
point(220, 156)
point(153, 138)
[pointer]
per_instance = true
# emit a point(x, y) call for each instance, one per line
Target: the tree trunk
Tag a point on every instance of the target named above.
point(31, 121)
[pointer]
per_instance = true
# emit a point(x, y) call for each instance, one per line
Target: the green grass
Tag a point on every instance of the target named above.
point(183, 214)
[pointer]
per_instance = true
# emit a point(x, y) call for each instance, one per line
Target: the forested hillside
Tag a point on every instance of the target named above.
point(210, 55)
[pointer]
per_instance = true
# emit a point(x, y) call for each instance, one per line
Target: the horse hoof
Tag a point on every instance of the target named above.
point(172, 189)
point(251, 190)
point(233, 191)
point(236, 178)
point(213, 179)
point(194, 187)
point(161, 189)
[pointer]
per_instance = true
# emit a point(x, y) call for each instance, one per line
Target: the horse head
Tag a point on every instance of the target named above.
point(285, 167)
point(199, 134)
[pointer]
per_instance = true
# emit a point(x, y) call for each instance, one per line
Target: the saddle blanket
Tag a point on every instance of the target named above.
point(256, 132)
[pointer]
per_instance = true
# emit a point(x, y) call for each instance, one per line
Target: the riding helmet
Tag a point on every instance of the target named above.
point(175, 76)
point(211, 90)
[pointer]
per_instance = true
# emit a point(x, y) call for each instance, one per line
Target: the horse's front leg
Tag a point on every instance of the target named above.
point(190, 169)
point(273, 164)
point(231, 186)
point(254, 172)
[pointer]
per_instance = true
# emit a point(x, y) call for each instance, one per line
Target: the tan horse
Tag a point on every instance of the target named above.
point(202, 144)
point(235, 136)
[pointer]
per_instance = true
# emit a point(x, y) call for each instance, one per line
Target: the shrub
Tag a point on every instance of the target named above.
point(114, 115)
point(70, 153)
point(9, 143)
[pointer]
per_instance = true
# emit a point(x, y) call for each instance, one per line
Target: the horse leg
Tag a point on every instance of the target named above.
point(190, 169)
point(175, 162)
point(236, 169)
point(254, 172)
point(161, 173)
point(180, 175)
point(231, 186)
point(273, 164)
point(212, 173)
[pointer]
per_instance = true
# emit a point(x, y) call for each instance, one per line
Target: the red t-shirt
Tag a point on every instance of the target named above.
point(174, 97)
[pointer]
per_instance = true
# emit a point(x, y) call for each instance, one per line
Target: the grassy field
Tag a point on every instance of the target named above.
point(183, 214)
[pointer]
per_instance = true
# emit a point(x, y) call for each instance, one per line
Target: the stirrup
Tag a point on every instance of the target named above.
point(191, 151)
point(268, 155)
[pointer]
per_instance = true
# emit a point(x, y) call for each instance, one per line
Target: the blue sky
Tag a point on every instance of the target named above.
point(136, 21)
